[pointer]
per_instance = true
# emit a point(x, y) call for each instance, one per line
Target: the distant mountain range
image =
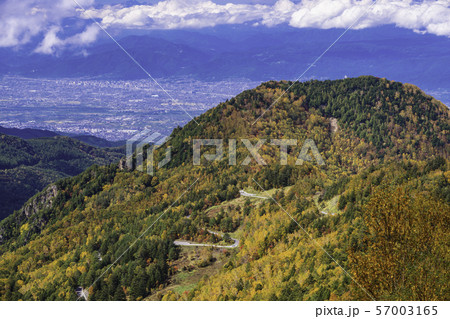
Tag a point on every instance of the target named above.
point(30, 133)
point(256, 53)
point(27, 133)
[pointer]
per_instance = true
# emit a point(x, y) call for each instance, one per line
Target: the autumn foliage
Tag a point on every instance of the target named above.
point(407, 247)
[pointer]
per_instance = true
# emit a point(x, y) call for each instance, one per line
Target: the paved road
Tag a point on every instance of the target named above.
point(244, 193)
point(187, 243)
point(234, 245)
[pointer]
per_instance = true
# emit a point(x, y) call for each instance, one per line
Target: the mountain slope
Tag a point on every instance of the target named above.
point(278, 261)
point(370, 132)
point(27, 166)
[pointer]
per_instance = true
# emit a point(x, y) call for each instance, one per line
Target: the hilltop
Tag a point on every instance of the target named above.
point(384, 144)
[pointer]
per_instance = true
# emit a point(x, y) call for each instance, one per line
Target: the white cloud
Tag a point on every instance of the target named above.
point(281, 12)
point(175, 14)
point(429, 16)
point(22, 20)
point(52, 42)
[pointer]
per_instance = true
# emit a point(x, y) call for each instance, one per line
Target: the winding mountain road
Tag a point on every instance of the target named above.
point(245, 194)
point(187, 243)
point(236, 241)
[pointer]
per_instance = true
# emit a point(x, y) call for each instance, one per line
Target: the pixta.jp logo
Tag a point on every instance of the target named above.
point(146, 142)
point(308, 147)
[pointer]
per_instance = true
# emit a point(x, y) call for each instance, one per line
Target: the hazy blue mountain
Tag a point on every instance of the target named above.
point(257, 53)
point(98, 141)
point(27, 133)
point(30, 133)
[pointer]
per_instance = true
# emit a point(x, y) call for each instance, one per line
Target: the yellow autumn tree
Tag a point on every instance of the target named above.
point(406, 252)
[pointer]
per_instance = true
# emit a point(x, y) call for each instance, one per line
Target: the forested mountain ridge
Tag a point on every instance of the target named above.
point(385, 119)
point(29, 133)
point(27, 166)
point(373, 134)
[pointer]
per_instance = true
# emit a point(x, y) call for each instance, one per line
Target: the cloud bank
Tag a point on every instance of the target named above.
point(22, 20)
point(426, 16)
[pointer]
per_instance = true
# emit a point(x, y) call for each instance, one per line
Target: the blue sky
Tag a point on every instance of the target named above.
point(47, 22)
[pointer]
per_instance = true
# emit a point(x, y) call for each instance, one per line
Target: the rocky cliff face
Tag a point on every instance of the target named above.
point(28, 213)
point(41, 201)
